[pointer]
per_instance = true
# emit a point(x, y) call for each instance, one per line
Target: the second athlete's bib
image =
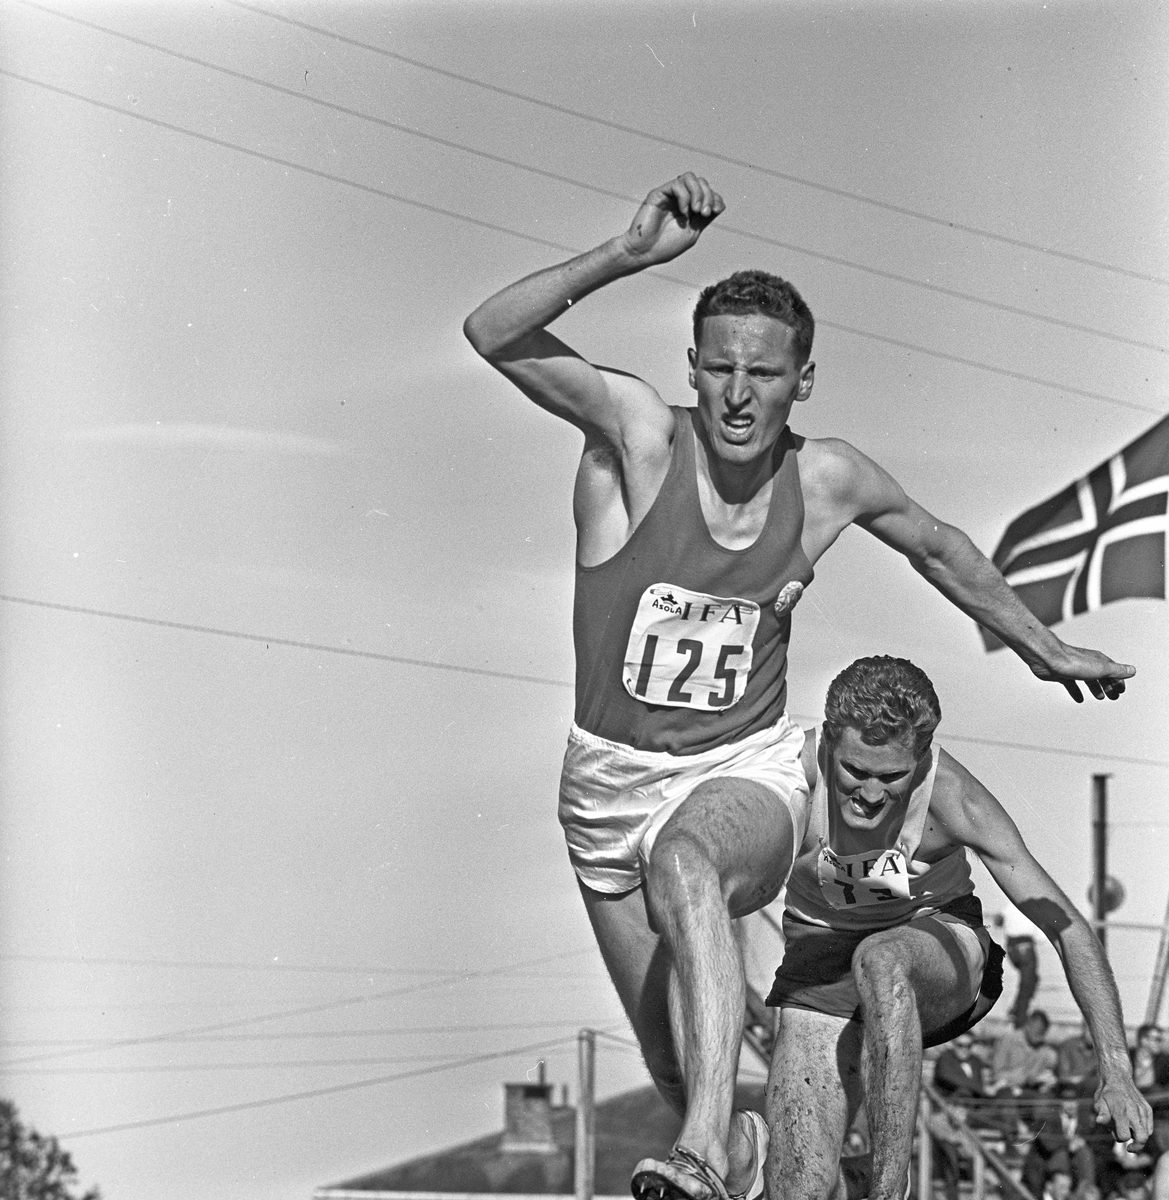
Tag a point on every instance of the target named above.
point(689, 650)
point(857, 879)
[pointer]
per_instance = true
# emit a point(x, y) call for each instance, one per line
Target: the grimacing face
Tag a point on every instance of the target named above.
point(747, 374)
point(870, 781)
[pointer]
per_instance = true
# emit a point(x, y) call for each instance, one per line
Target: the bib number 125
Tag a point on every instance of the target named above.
point(689, 650)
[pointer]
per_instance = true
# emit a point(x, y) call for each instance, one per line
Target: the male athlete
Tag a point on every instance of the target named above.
point(682, 797)
point(886, 948)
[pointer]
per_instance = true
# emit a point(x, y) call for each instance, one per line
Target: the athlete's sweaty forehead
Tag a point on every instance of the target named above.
point(759, 332)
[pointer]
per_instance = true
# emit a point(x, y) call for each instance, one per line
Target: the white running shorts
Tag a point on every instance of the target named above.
point(615, 799)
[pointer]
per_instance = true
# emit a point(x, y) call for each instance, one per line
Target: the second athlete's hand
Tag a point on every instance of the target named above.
point(1103, 678)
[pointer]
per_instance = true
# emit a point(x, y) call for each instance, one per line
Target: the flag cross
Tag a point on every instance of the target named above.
point(1101, 539)
point(1077, 548)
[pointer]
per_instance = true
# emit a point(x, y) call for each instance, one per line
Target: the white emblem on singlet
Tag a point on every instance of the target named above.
point(788, 597)
point(689, 650)
point(851, 880)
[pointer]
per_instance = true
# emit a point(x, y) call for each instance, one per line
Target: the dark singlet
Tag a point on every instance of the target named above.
point(681, 644)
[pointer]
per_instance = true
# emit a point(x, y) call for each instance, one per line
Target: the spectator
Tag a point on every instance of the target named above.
point(1150, 1065)
point(1057, 1186)
point(1020, 935)
point(1060, 1145)
point(947, 1128)
point(1150, 1072)
point(1023, 1062)
point(958, 1072)
point(1132, 1185)
point(1076, 1064)
point(1151, 1162)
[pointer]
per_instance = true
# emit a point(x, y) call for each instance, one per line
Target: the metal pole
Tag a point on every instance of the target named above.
point(925, 1164)
point(1157, 988)
point(586, 1152)
point(979, 1177)
point(1100, 855)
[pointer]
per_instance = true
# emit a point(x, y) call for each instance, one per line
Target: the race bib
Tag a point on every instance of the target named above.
point(689, 650)
point(851, 880)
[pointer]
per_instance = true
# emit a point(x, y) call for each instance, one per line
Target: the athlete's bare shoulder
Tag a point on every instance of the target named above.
point(963, 810)
point(646, 422)
point(829, 466)
point(830, 471)
point(621, 470)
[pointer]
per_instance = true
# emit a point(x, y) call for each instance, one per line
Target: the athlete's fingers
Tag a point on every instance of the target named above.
point(697, 193)
point(1073, 690)
point(702, 201)
point(1096, 688)
point(708, 196)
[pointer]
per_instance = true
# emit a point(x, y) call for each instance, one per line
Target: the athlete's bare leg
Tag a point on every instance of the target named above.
point(724, 853)
point(899, 974)
point(822, 1065)
point(813, 1093)
point(639, 966)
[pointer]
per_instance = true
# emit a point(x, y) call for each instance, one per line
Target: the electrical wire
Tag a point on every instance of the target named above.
point(483, 671)
point(313, 1093)
point(324, 649)
point(319, 1034)
point(193, 965)
point(900, 343)
point(787, 177)
point(722, 227)
point(303, 1010)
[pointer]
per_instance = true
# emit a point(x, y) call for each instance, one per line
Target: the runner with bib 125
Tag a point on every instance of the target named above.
point(682, 797)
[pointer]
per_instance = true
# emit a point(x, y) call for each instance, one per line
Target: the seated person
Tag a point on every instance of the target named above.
point(1061, 1143)
point(959, 1073)
point(1150, 1070)
point(1075, 1063)
point(1024, 1064)
point(1132, 1185)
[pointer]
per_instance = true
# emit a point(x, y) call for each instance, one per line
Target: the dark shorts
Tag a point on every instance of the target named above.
point(816, 972)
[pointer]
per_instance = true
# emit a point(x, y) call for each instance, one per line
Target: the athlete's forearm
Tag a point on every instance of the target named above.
point(535, 301)
point(970, 581)
point(1094, 989)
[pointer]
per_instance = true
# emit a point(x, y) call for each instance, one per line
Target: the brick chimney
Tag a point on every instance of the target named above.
point(527, 1117)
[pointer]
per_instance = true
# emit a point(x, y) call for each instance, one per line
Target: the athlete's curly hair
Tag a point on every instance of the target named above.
point(747, 292)
point(883, 699)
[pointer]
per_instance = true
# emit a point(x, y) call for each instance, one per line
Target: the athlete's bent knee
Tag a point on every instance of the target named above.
point(880, 973)
point(679, 869)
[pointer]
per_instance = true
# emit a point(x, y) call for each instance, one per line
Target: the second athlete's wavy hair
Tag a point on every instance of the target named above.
point(883, 699)
point(747, 292)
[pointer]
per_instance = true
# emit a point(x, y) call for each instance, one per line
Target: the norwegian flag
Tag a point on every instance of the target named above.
point(1100, 539)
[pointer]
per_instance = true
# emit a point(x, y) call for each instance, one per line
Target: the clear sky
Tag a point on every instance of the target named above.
point(239, 871)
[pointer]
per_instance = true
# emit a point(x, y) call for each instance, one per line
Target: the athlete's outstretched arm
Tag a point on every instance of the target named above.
point(509, 329)
point(945, 556)
point(971, 816)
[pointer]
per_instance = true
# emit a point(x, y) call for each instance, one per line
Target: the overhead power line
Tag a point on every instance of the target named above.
point(194, 965)
point(201, 1068)
point(716, 155)
point(321, 1034)
point(274, 641)
point(557, 683)
point(312, 1093)
point(282, 1014)
point(690, 285)
point(722, 227)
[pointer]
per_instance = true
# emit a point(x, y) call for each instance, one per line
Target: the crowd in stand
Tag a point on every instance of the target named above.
point(1035, 1096)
